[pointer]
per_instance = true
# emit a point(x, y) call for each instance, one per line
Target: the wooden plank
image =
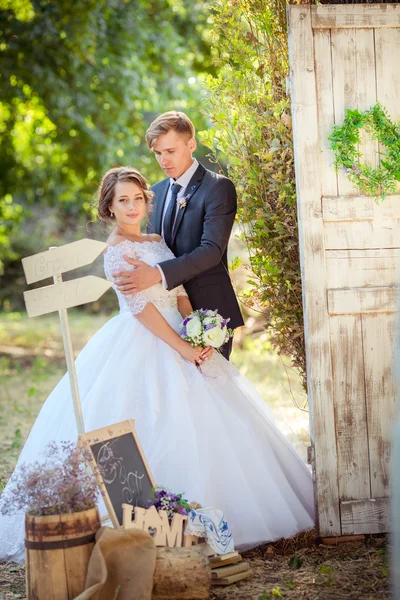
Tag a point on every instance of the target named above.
point(364, 253)
point(355, 15)
point(379, 347)
point(341, 539)
point(60, 260)
point(379, 270)
point(221, 559)
point(229, 570)
point(230, 560)
point(319, 368)
point(371, 515)
point(325, 107)
point(362, 300)
point(359, 207)
point(387, 47)
point(382, 233)
point(350, 409)
point(65, 295)
point(344, 87)
point(366, 90)
point(233, 578)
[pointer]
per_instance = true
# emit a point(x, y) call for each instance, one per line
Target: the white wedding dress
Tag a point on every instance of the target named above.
point(208, 435)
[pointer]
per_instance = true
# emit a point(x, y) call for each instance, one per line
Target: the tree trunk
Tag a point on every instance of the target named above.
point(181, 574)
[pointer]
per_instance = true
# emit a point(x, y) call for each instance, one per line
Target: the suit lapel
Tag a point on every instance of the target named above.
point(191, 189)
point(159, 205)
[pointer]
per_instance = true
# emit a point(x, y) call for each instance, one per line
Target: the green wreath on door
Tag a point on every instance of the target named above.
point(345, 141)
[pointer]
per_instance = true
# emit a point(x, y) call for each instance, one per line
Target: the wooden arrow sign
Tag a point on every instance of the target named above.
point(60, 260)
point(65, 295)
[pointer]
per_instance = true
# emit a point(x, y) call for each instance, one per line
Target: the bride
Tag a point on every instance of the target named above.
point(206, 433)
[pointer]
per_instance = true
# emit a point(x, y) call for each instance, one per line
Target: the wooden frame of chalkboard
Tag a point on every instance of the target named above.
point(121, 469)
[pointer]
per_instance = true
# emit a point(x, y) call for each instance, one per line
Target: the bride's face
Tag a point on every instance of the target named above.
point(129, 204)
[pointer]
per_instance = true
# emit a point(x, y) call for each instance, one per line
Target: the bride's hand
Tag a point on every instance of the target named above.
point(207, 353)
point(195, 354)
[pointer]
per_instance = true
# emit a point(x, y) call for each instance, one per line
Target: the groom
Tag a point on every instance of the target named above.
point(194, 210)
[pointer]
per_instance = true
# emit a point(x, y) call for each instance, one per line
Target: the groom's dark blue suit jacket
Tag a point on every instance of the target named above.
point(199, 241)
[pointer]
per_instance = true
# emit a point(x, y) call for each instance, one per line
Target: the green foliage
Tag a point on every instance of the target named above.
point(251, 110)
point(17, 441)
point(275, 593)
point(10, 218)
point(345, 141)
point(79, 84)
point(295, 562)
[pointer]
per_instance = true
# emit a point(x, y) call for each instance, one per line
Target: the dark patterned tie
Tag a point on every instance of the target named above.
point(170, 214)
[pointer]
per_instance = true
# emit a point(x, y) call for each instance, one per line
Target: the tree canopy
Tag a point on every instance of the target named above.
point(79, 84)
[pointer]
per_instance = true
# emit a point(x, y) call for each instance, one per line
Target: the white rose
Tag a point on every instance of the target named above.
point(193, 328)
point(210, 313)
point(209, 321)
point(214, 337)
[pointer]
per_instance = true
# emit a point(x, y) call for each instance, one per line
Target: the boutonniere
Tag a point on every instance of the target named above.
point(181, 202)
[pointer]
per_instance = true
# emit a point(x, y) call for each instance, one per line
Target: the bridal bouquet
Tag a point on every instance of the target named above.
point(206, 328)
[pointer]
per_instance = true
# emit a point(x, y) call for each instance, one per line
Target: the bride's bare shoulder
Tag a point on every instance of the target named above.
point(153, 237)
point(115, 239)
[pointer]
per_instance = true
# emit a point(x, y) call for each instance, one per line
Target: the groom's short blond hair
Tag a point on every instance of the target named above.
point(172, 119)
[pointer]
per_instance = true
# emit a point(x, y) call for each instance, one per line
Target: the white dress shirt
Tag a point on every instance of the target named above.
point(183, 180)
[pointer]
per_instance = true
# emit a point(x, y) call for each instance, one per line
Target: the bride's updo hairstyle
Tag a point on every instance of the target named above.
point(106, 190)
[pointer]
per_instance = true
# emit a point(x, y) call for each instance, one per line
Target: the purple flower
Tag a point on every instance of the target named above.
point(209, 326)
point(184, 332)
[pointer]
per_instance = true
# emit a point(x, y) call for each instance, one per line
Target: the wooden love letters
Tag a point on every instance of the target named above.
point(164, 533)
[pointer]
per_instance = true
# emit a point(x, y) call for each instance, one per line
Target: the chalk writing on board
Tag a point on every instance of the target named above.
point(112, 468)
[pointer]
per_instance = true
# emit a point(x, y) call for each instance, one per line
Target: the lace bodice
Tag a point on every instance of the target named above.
point(151, 253)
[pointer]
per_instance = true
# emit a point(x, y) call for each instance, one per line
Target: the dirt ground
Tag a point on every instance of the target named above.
point(297, 569)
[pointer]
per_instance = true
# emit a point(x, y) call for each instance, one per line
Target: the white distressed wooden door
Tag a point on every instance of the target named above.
point(346, 56)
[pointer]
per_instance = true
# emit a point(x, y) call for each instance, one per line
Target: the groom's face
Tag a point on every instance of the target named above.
point(173, 152)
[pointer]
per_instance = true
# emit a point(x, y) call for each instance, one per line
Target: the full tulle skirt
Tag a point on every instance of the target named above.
point(209, 435)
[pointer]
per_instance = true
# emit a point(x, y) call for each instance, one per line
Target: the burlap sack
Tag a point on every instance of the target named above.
point(121, 566)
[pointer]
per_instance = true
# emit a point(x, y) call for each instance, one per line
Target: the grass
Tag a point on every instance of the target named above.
point(31, 363)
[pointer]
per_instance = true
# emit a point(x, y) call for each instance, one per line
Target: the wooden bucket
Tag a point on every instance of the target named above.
point(57, 552)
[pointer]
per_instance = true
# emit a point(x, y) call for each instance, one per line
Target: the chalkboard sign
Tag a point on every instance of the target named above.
point(121, 468)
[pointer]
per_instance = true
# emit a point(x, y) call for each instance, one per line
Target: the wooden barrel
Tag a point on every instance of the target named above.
point(57, 552)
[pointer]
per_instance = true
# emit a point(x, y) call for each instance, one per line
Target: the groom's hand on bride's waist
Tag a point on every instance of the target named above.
point(141, 278)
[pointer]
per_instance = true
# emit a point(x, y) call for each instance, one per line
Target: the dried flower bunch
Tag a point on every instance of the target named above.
point(60, 484)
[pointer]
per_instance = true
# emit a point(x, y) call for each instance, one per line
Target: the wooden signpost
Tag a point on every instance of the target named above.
point(63, 295)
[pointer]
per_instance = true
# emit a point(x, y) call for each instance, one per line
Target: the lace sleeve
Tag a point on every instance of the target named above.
point(137, 302)
point(180, 291)
point(114, 261)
